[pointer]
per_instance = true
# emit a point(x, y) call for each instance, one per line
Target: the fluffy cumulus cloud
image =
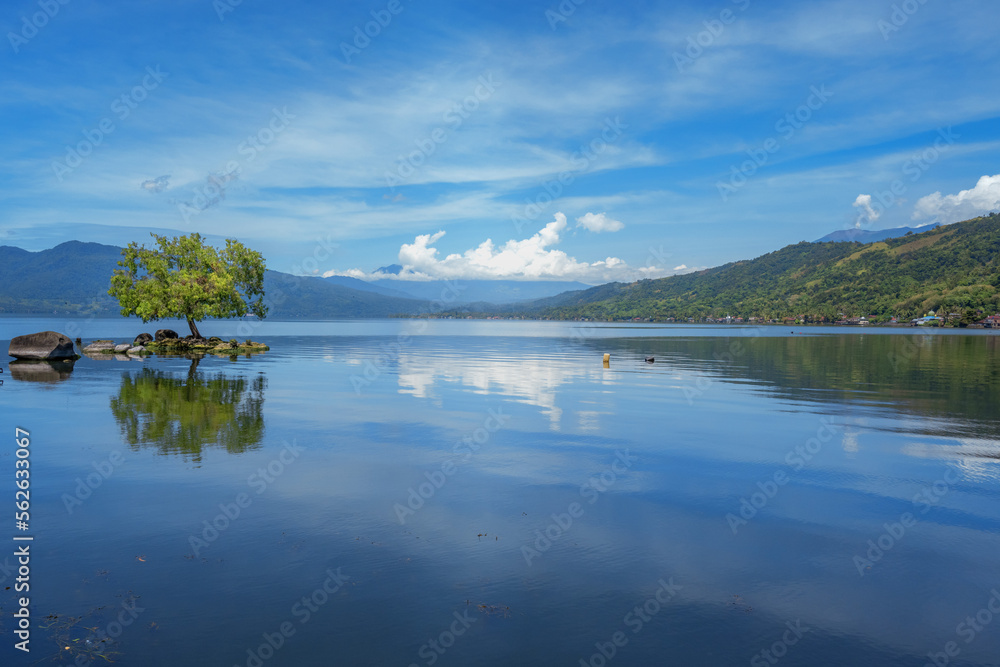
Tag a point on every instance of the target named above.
point(533, 258)
point(599, 222)
point(866, 214)
point(984, 198)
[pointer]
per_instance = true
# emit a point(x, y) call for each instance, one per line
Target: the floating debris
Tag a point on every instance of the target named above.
point(492, 609)
point(739, 603)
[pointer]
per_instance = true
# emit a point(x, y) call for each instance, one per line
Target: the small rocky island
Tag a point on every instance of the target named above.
point(52, 346)
point(167, 342)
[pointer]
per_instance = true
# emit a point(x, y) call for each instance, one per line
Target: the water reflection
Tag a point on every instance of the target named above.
point(664, 517)
point(529, 379)
point(952, 379)
point(40, 371)
point(183, 415)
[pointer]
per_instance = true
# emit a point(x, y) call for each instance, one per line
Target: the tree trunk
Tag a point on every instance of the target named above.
point(194, 328)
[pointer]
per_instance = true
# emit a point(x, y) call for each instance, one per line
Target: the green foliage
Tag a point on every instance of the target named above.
point(186, 278)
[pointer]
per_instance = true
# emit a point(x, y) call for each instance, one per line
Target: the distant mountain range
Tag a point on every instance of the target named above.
point(366, 286)
point(954, 267)
point(871, 235)
point(73, 278)
point(491, 292)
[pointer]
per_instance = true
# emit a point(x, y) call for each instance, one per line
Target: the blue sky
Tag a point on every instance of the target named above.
point(583, 140)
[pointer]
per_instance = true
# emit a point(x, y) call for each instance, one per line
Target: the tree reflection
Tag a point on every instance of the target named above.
point(183, 415)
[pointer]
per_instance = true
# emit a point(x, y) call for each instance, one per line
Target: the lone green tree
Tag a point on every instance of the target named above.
point(188, 279)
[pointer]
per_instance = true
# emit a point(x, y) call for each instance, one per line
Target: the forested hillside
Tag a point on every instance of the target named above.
point(954, 268)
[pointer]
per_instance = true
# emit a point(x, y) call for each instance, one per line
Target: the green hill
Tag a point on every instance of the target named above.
point(71, 278)
point(954, 268)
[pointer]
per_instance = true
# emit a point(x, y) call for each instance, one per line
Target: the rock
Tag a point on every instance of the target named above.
point(138, 349)
point(142, 339)
point(164, 334)
point(247, 347)
point(99, 346)
point(42, 345)
point(215, 340)
point(191, 341)
point(122, 348)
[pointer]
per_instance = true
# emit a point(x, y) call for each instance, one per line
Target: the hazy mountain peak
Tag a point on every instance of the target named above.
point(873, 235)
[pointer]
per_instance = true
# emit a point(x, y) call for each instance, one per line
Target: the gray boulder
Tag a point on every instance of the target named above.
point(142, 339)
point(138, 349)
point(99, 346)
point(42, 345)
point(164, 334)
point(122, 348)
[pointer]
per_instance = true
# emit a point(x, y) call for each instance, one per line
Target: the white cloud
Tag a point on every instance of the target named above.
point(532, 258)
point(867, 214)
point(599, 222)
point(983, 198)
point(158, 184)
point(682, 267)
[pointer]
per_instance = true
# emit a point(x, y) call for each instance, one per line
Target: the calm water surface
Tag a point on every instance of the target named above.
point(488, 493)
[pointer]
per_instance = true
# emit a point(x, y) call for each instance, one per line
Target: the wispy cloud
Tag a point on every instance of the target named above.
point(354, 122)
point(158, 184)
point(599, 222)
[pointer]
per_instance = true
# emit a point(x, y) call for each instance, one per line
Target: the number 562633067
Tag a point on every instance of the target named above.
point(22, 477)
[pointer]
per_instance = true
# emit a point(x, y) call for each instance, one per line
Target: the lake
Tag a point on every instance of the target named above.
point(490, 493)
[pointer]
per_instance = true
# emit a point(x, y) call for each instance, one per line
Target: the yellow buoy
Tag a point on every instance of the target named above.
point(607, 359)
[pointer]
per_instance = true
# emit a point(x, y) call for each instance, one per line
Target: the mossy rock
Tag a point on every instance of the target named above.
point(247, 347)
point(179, 346)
